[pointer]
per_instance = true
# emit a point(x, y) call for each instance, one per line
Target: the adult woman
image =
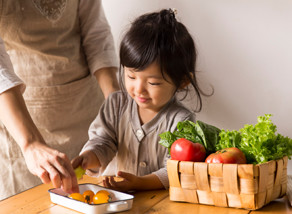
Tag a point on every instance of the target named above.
point(56, 48)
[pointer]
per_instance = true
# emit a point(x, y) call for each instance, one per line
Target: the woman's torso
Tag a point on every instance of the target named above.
point(43, 40)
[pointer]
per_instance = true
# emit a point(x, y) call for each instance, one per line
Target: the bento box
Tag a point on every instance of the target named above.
point(244, 186)
point(120, 201)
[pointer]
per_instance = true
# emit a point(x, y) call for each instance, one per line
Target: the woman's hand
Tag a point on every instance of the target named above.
point(46, 163)
point(51, 165)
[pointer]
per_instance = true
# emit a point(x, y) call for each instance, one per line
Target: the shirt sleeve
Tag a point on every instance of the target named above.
point(97, 39)
point(8, 79)
point(102, 134)
point(162, 173)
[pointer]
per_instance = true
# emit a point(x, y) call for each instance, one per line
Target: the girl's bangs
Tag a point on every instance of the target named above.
point(138, 51)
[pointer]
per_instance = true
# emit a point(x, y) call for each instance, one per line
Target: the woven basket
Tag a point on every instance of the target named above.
point(245, 186)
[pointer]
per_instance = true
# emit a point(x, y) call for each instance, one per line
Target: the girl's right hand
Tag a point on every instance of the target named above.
point(87, 160)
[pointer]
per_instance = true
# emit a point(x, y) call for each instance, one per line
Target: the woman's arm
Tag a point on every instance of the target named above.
point(107, 80)
point(41, 160)
point(98, 45)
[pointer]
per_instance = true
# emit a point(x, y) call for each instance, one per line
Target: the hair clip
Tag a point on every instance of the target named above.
point(173, 11)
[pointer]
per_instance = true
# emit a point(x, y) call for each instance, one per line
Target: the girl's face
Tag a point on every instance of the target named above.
point(148, 88)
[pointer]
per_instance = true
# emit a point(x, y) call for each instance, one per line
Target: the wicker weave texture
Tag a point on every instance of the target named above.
point(245, 186)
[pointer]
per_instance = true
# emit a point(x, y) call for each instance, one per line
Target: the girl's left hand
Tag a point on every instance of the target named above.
point(129, 182)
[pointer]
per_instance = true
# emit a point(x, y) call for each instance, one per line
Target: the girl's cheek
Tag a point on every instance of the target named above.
point(126, 83)
point(128, 87)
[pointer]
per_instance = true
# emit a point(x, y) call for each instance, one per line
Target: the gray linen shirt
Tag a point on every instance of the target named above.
point(117, 133)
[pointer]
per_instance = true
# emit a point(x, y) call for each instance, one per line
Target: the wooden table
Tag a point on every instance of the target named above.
point(37, 200)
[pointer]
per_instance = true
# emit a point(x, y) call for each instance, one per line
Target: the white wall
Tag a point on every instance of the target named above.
point(245, 52)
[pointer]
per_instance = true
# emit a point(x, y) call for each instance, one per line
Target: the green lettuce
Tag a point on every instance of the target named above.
point(258, 142)
point(198, 132)
point(228, 139)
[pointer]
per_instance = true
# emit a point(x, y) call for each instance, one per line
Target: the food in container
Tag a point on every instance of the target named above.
point(119, 201)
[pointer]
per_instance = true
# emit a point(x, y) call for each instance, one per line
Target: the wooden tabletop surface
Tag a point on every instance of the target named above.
point(37, 200)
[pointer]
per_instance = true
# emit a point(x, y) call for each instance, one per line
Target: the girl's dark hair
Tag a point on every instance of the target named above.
point(160, 37)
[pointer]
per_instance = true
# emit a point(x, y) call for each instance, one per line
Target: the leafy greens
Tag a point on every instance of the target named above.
point(198, 132)
point(258, 142)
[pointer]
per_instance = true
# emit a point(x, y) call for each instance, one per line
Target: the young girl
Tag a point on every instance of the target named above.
point(157, 57)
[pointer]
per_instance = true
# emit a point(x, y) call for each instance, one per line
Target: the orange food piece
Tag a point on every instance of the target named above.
point(88, 196)
point(101, 197)
point(104, 191)
point(77, 196)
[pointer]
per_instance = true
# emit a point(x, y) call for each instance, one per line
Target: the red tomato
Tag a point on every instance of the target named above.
point(185, 150)
point(228, 155)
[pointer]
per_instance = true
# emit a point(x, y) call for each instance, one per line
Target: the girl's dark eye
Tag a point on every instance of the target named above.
point(152, 83)
point(131, 77)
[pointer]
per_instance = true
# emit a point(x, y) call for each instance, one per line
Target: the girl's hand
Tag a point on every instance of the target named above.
point(129, 182)
point(87, 160)
point(133, 182)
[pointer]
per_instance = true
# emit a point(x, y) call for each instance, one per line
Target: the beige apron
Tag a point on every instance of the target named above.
point(43, 40)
